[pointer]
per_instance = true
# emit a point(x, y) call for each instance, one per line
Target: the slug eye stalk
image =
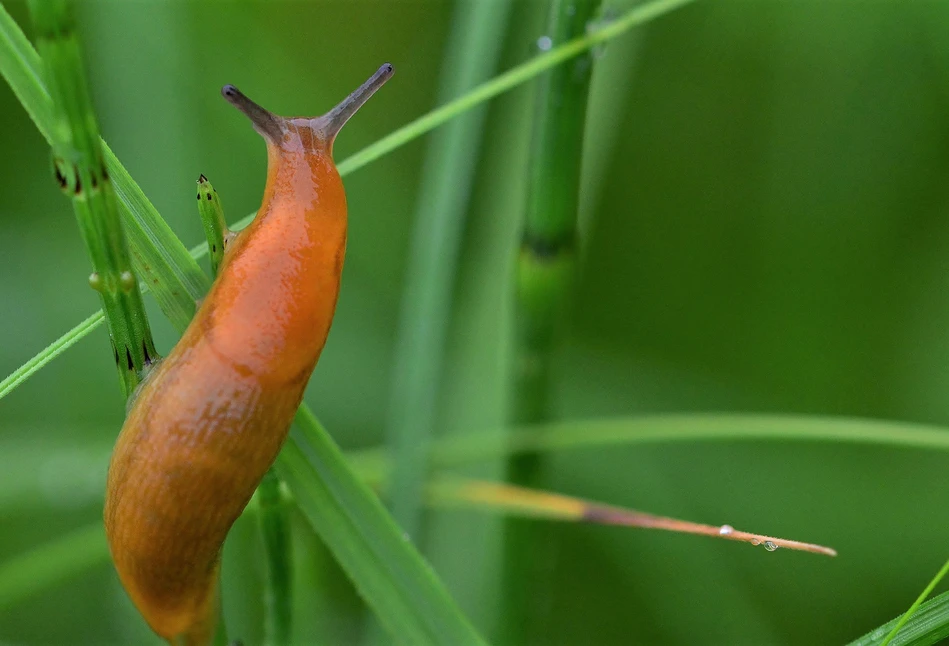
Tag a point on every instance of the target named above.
point(272, 127)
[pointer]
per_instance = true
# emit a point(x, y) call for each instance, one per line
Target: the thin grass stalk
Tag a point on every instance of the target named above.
point(80, 550)
point(20, 464)
point(80, 171)
point(19, 66)
point(928, 625)
point(272, 511)
point(471, 55)
point(343, 499)
point(545, 270)
point(943, 571)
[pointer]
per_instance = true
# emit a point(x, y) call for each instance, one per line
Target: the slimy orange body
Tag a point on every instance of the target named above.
point(209, 421)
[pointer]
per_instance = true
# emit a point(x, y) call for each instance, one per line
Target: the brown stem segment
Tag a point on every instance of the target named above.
point(551, 505)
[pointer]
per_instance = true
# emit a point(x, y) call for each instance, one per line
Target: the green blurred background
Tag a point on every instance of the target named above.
point(766, 228)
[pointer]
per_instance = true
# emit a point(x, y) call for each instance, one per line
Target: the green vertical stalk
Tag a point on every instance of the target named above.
point(275, 528)
point(80, 170)
point(212, 219)
point(471, 56)
point(272, 510)
point(545, 273)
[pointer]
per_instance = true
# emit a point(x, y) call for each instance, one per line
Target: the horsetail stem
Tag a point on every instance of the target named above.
point(544, 279)
point(80, 171)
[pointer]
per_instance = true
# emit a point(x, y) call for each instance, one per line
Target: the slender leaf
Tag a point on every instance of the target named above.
point(471, 55)
point(916, 604)
point(18, 464)
point(685, 427)
point(404, 592)
point(928, 625)
point(49, 353)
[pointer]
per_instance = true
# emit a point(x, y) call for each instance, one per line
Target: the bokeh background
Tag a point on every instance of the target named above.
point(766, 229)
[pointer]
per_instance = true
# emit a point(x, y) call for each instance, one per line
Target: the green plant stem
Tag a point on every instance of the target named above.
point(212, 219)
point(79, 167)
point(50, 352)
point(471, 55)
point(916, 604)
point(155, 250)
point(373, 465)
point(273, 514)
point(545, 272)
point(676, 428)
point(510, 79)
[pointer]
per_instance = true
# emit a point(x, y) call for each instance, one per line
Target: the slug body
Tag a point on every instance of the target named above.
point(209, 421)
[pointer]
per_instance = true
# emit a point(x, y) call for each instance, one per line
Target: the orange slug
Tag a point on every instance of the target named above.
point(210, 419)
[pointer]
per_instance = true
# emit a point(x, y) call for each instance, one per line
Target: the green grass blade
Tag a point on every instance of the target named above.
point(52, 563)
point(510, 79)
point(21, 67)
point(685, 427)
point(928, 625)
point(273, 513)
point(18, 65)
point(373, 465)
point(50, 352)
point(916, 604)
point(389, 573)
point(471, 55)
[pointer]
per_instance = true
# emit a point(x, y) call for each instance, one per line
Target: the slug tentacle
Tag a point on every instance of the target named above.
point(273, 127)
point(211, 418)
point(333, 121)
point(269, 125)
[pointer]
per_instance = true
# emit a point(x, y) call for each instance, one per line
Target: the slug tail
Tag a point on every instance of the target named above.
point(201, 621)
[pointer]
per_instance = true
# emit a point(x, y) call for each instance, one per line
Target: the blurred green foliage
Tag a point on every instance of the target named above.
point(766, 219)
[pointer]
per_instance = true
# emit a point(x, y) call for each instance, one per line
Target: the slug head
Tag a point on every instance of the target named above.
point(323, 130)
